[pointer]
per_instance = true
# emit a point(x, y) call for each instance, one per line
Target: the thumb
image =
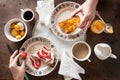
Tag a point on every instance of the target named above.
point(23, 63)
point(78, 10)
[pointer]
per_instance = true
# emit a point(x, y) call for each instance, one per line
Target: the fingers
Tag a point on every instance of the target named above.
point(87, 25)
point(23, 63)
point(16, 58)
point(89, 22)
point(14, 54)
point(83, 22)
point(77, 11)
point(86, 21)
point(12, 62)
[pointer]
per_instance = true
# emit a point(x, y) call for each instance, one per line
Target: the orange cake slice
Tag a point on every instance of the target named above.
point(69, 25)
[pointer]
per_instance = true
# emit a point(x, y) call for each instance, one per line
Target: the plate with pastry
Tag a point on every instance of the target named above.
point(41, 56)
point(63, 25)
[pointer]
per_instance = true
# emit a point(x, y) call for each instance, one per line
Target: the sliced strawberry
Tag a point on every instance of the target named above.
point(44, 52)
point(35, 63)
point(23, 55)
point(38, 53)
point(44, 55)
point(49, 55)
point(32, 61)
point(35, 66)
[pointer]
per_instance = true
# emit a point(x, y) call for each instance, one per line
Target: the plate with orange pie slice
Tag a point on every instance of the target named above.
point(63, 25)
point(41, 56)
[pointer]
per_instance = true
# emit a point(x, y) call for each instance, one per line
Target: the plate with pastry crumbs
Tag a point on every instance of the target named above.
point(64, 26)
point(41, 56)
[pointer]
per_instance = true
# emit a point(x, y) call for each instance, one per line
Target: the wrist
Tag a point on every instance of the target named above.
point(17, 78)
point(92, 3)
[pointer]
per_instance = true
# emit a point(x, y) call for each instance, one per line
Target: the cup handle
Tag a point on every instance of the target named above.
point(22, 10)
point(113, 56)
point(89, 60)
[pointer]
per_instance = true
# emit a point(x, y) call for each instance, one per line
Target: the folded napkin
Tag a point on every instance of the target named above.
point(69, 68)
point(44, 9)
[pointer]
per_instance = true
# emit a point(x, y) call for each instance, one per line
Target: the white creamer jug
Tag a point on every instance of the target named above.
point(103, 51)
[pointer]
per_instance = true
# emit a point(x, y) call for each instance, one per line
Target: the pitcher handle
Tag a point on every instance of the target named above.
point(22, 10)
point(113, 56)
point(89, 60)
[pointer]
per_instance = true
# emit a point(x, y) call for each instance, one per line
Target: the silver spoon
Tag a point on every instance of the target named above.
point(108, 26)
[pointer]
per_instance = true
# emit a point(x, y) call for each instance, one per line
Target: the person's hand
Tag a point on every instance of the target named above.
point(18, 72)
point(88, 11)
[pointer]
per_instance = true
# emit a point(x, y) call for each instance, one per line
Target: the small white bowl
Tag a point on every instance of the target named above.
point(7, 30)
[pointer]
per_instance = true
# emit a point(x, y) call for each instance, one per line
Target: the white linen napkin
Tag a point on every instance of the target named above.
point(44, 9)
point(69, 68)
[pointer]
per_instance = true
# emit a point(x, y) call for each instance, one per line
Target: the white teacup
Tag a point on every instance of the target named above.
point(81, 51)
point(27, 14)
point(103, 51)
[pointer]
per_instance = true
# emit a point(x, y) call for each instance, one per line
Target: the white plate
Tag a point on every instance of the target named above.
point(30, 46)
point(61, 12)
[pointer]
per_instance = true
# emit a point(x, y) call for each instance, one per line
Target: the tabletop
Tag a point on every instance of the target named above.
point(108, 69)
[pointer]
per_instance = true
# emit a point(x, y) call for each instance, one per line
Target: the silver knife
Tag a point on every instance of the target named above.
point(10, 49)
